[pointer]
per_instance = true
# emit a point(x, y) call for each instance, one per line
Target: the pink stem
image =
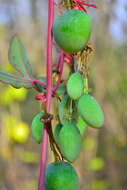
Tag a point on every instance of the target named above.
point(48, 93)
point(58, 62)
point(43, 160)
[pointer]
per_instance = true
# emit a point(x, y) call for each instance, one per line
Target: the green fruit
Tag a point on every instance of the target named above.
point(64, 105)
point(37, 127)
point(61, 176)
point(57, 131)
point(82, 125)
point(72, 30)
point(75, 86)
point(90, 111)
point(70, 141)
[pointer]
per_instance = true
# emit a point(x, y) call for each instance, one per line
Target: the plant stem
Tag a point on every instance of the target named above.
point(48, 93)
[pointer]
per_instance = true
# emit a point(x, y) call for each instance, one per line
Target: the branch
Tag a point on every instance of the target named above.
point(48, 93)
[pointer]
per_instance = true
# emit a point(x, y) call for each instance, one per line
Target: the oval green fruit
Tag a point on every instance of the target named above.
point(37, 127)
point(64, 109)
point(57, 131)
point(82, 125)
point(90, 111)
point(61, 176)
point(72, 30)
point(75, 86)
point(70, 141)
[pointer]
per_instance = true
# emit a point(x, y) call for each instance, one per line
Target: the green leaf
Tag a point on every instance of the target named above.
point(16, 82)
point(18, 58)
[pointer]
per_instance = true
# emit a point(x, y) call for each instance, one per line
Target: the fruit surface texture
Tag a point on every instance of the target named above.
point(64, 109)
point(70, 141)
point(61, 176)
point(71, 30)
point(90, 111)
point(37, 127)
point(75, 86)
point(82, 126)
point(57, 131)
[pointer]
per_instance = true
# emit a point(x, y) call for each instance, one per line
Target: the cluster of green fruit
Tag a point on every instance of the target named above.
point(77, 108)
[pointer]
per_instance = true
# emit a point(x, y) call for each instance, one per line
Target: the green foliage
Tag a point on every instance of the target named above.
point(99, 184)
point(89, 143)
point(61, 176)
point(29, 157)
point(91, 111)
point(10, 94)
point(72, 30)
point(18, 57)
point(70, 141)
point(37, 127)
point(16, 82)
point(75, 86)
point(96, 164)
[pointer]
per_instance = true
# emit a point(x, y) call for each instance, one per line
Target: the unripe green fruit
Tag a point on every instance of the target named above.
point(57, 131)
point(61, 176)
point(70, 141)
point(64, 109)
point(37, 127)
point(75, 86)
point(91, 111)
point(72, 30)
point(82, 126)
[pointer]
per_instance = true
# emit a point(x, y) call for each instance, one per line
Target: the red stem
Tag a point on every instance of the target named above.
point(48, 93)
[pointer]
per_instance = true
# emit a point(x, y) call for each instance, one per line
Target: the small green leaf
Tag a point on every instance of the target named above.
point(16, 82)
point(18, 58)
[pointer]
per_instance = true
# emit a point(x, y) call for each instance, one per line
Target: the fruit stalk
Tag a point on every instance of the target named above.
point(48, 93)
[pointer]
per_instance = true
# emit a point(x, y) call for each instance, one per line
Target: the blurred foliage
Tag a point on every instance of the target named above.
point(102, 164)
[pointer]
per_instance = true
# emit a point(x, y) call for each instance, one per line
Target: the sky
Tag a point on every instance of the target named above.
point(116, 24)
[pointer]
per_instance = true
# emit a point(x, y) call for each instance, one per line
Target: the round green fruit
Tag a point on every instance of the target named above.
point(37, 127)
point(75, 86)
point(70, 141)
point(90, 111)
point(71, 30)
point(61, 176)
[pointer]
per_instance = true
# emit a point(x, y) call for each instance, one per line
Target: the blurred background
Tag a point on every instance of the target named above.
point(102, 164)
